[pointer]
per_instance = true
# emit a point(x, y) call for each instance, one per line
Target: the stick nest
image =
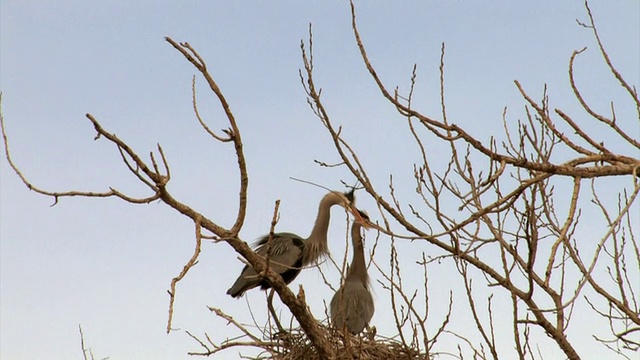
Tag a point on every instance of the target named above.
point(295, 345)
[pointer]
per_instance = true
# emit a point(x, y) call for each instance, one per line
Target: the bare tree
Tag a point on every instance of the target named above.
point(513, 232)
point(509, 229)
point(155, 174)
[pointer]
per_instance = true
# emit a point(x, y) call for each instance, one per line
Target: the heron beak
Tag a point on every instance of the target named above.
point(362, 218)
point(366, 225)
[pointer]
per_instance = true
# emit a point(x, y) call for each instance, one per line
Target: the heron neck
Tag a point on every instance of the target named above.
point(316, 244)
point(358, 268)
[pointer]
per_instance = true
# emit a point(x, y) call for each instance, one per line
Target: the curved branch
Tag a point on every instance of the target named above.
point(191, 263)
point(616, 74)
point(611, 123)
point(234, 132)
point(60, 194)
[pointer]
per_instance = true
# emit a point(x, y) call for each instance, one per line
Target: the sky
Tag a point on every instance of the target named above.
point(106, 265)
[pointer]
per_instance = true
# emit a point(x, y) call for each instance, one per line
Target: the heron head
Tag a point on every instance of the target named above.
point(350, 205)
point(351, 195)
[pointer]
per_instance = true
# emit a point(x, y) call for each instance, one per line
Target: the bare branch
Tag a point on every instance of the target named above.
point(191, 263)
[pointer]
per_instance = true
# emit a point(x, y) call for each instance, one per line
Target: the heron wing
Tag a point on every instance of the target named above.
point(285, 258)
point(280, 244)
point(248, 279)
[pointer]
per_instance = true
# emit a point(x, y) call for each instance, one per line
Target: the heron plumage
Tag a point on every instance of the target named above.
point(352, 305)
point(289, 253)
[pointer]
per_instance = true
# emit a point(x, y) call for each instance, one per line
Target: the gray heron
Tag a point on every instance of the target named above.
point(289, 253)
point(352, 305)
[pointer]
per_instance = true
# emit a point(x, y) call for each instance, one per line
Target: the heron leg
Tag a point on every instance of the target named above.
point(371, 332)
point(272, 311)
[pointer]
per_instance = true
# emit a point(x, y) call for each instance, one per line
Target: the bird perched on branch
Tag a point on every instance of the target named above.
point(352, 305)
point(289, 253)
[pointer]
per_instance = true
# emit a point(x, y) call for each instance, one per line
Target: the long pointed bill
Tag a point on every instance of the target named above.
point(361, 217)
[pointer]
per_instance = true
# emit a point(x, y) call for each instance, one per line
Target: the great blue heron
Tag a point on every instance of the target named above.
point(352, 305)
point(289, 252)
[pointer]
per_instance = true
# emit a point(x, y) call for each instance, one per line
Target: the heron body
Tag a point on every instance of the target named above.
point(288, 253)
point(352, 305)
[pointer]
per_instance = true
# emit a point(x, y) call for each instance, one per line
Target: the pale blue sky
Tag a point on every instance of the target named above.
point(106, 265)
